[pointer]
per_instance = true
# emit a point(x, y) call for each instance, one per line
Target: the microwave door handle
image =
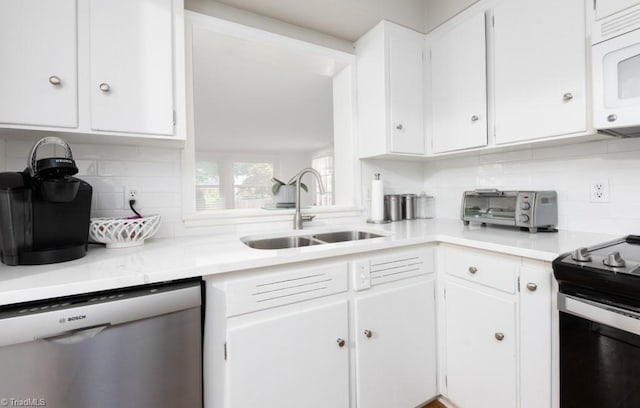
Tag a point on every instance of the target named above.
point(618, 318)
point(77, 335)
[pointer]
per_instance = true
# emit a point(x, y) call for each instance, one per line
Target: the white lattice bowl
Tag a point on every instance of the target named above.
point(123, 232)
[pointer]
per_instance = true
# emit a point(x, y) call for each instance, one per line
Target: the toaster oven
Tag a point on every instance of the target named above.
point(530, 210)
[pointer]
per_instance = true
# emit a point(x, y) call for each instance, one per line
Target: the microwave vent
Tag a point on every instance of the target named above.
point(621, 23)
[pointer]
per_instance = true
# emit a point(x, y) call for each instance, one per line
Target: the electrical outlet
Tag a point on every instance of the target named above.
point(131, 193)
point(600, 191)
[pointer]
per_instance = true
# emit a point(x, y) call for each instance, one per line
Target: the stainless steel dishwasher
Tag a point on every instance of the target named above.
point(136, 347)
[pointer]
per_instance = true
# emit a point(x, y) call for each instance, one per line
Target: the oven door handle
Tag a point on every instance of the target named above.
point(616, 317)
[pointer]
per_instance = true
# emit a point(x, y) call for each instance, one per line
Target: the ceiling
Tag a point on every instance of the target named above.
point(345, 19)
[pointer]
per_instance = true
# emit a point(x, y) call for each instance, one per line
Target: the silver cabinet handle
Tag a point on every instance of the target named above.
point(567, 97)
point(340, 342)
point(473, 269)
point(368, 333)
point(532, 286)
point(54, 80)
point(399, 126)
point(104, 87)
point(612, 118)
point(499, 336)
point(475, 118)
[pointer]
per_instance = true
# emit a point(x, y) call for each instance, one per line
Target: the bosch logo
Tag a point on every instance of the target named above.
point(74, 318)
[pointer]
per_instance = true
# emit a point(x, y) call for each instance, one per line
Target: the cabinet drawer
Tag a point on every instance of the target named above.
point(486, 268)
point(278, 289)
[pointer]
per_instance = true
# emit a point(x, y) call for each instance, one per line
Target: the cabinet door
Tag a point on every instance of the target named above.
point(458, 87)
point(480, 349)
point(540, 69)
point(396, 365)
point(38, 54)
point(406, 90)
point(131, 66)
point(535, 337)
point(291, 361)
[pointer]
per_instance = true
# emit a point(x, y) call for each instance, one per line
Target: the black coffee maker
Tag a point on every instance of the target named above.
point(44, 211)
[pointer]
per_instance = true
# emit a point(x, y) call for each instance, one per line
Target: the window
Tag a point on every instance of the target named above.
point(324, 166)
point(227, 183)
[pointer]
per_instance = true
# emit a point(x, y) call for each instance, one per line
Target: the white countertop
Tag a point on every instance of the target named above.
point(167, 259)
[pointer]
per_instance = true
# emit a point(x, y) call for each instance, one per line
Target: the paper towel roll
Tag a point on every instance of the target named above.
point(377, 200)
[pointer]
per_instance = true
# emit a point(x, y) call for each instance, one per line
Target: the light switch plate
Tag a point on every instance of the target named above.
point(361, 275)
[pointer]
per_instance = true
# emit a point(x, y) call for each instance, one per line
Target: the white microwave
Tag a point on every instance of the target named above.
point(615, 57)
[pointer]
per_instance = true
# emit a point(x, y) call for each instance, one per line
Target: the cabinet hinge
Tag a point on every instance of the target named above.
point(493, 21)
point(445, 293)
point(174, 118)
point(518, 284)
point(225, 351)
point(446, 381)
point(594, 4)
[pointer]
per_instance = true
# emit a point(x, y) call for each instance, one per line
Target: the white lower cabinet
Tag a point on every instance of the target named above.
point(296, 360)
point(481, 348)
point(395, 347)
point(496, 329)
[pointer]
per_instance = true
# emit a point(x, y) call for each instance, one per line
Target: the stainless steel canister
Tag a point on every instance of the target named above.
point(392, 207)
point(409, 207)
point(426, 206)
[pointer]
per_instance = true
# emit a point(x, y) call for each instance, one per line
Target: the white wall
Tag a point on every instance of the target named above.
point(399, 177)
point(569, 170)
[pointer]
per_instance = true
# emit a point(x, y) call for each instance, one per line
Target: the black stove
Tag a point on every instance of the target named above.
point(599, 314)
point(611, 269)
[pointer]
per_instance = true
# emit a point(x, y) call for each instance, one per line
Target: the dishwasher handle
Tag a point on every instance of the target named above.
point(77, 335)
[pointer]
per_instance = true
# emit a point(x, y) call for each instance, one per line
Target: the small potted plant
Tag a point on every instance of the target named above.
point(285, 193)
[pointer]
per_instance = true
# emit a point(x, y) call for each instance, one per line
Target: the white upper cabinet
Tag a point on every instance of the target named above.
point(390, 91)
point(38, 54)
point(458, 86)
point(131, 66)
point(605, 8)
point(540, 81)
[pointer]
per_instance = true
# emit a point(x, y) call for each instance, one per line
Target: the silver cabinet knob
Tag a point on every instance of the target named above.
point(532, 286)
point(612, 118)
point(473, 269)
point(475, 118)
point(368, 333)
point(104, 87)
point(499, 336)
point(567, 97)
point(399, 126)
point(340, 342)
point(54, 80)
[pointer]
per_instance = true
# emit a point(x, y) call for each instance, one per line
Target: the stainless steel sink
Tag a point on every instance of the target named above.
point(281, 243)
point(342, 236)
point(307, 240)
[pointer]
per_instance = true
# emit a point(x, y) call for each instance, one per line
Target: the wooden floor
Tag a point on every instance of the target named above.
point(434, 404)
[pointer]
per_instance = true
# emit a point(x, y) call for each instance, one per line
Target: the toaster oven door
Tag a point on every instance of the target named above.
point(491, 208)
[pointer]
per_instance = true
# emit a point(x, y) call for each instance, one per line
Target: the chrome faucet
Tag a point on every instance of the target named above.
point(299, 219)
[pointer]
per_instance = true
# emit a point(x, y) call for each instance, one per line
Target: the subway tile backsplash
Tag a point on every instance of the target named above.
point(156, 172)
point(568, 169)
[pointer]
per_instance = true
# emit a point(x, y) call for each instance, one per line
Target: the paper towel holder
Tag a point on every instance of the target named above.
point(383, 221)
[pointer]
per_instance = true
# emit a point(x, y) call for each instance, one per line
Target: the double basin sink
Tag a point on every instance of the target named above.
point(308, 240)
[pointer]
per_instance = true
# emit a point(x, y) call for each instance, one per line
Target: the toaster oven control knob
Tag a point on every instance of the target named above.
point(614, 260)
point(524, 218)
point(581, 255)
point(525, 205)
